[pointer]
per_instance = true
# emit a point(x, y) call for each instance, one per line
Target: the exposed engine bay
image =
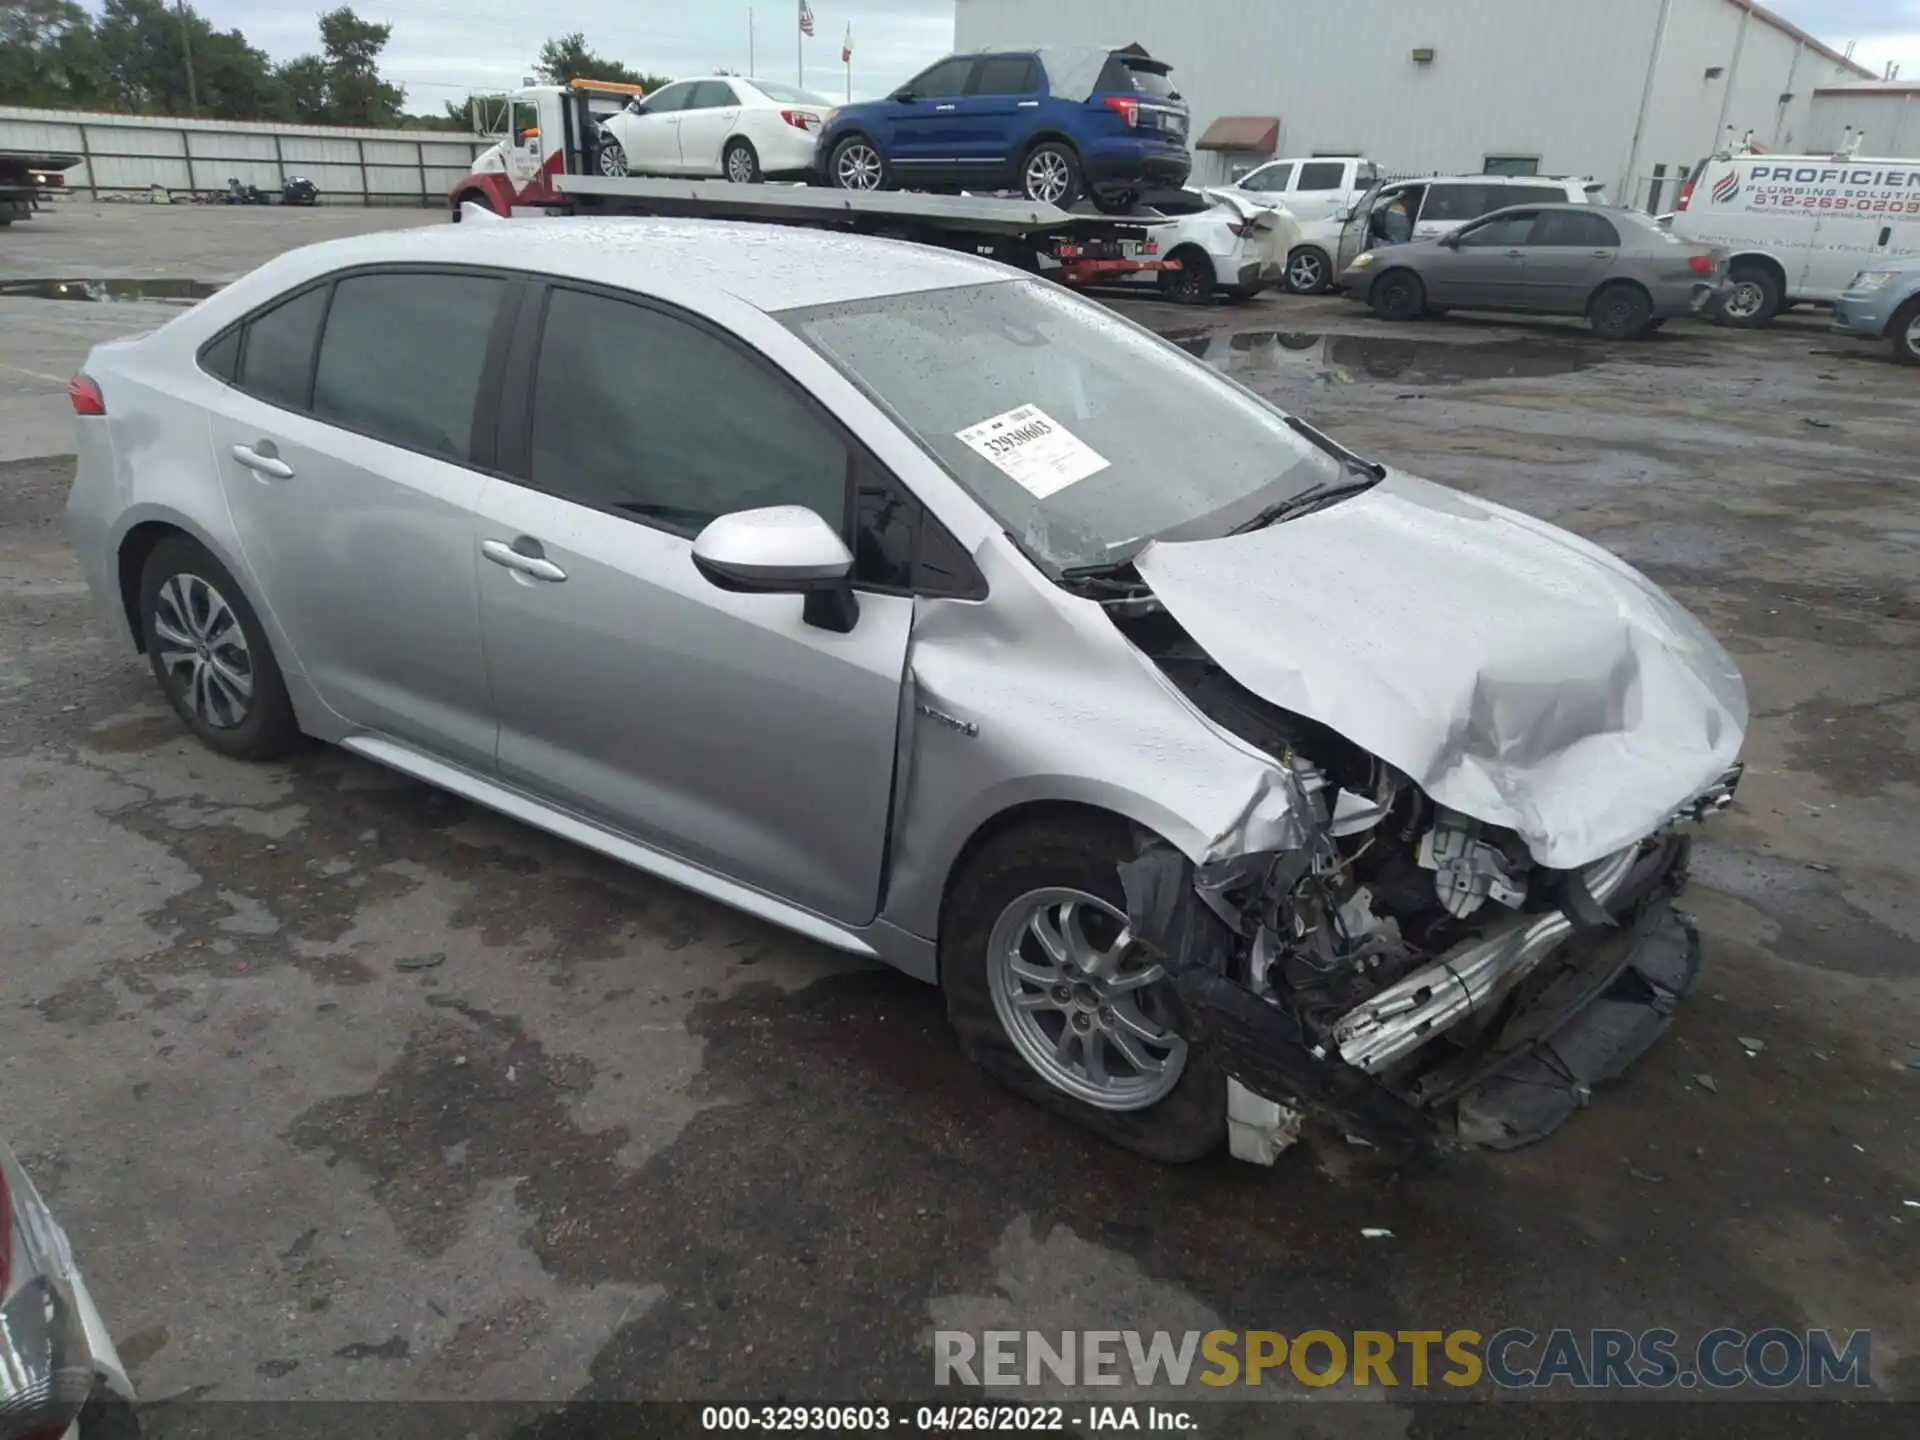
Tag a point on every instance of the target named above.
point(1408, 972)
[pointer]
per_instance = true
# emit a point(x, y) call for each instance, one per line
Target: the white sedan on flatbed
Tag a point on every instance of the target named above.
point(724, 127)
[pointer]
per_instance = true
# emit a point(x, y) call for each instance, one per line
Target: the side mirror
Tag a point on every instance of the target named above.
point(781, 550)
point(1451, 240)
point(902, 97)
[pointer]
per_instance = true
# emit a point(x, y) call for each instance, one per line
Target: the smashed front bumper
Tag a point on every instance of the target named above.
point(1494, 1043)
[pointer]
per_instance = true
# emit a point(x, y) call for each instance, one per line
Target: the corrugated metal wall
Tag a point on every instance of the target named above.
point(136, 152)
point(1890, 116)
point(1560, 80)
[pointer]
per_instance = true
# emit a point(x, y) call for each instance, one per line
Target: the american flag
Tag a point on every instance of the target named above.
point(806, 18)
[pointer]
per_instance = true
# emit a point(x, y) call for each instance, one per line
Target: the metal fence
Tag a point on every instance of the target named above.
point(122, 154)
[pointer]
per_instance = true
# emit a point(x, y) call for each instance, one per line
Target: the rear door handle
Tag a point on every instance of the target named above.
point(1029, 104)
point(537, 567)
point(263, 460)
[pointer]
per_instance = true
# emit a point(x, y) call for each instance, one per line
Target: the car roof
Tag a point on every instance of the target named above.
point(770, 267)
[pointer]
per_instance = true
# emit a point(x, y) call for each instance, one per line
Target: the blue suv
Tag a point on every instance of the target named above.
point(1053, 124)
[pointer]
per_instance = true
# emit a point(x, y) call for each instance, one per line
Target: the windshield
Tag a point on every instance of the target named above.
point(1082, 434)
point(790, 94)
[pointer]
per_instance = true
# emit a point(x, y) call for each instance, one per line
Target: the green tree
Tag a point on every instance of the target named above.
point(47, 53)
point(342, 85)
point(569, 57)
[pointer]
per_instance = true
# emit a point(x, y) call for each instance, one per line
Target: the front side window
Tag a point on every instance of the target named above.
point(947, 78)
point(1269, 179)
point(1084, 436)
point(402, 357)
point(1323, 175)
point(276, 357)
point(669, 98)
point(1507, 230)
point(645, 415)
point(712, 95)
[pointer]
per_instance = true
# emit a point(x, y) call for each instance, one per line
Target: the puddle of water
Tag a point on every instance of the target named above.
point(167, 292)
point(1345, 359)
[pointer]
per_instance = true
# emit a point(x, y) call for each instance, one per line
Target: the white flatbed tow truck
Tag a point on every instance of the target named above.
point(547, 163)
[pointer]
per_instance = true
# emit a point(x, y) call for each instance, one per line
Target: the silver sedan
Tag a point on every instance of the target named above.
point(1624, 271)
point(1216, 774)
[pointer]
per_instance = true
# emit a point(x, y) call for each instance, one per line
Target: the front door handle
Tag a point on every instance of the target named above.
point(536, 567)
point(263, 459)
point(943, 107)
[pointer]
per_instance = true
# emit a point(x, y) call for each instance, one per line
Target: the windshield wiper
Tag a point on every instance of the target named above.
point(1362, 475)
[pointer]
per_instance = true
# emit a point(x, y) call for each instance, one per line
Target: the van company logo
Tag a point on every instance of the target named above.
point(1727, 188)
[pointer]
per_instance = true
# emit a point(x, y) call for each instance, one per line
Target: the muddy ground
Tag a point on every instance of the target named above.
point(347, 1090)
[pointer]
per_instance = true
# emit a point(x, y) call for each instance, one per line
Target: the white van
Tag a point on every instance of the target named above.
point(1798, 227)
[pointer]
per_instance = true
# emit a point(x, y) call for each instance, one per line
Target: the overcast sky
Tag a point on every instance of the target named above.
point(443, 48)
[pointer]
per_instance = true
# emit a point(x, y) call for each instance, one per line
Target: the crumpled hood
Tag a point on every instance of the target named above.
point(1515, 672)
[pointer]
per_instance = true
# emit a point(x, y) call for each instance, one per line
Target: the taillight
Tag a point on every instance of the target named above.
point(86, 396)
point(1128, 107)
point(1237, 228)
point(800, 119)
point(1686, 196)
point(1700, 264)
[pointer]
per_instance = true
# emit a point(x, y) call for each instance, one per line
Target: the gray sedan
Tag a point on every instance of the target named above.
point(1619, 268)
point(1213, 772)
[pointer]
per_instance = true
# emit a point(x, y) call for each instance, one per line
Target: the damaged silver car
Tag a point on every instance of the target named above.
point(1218, 775)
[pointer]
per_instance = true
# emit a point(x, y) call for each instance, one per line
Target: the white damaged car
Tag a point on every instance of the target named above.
point(1216, 774)
point(1223, 243)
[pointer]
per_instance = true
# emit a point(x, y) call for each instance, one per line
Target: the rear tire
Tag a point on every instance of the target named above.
point(1050, 174)
point(1309, 271)
point(211, 656)
point(1753, 300)
point(1620, 311)
point(1193, 282)
point(1398, 295)
point(1183, 1119)
point(741, 164)
point(1905, 331)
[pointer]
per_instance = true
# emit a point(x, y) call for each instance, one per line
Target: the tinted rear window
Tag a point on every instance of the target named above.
point(1531, 194)
point(1007, 75)
point(1137, 77)
point(276, 360)
point(403, 356)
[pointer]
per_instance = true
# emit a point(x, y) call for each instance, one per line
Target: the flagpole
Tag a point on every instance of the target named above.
point(799, 56)
point(749, 42)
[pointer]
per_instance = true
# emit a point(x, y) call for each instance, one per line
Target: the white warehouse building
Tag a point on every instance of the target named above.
point(1627, 92)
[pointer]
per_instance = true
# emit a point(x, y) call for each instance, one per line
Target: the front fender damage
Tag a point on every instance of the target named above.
point(1489, 1028)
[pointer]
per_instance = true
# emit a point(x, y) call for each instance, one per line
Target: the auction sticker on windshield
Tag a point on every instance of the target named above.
point(1036, 451)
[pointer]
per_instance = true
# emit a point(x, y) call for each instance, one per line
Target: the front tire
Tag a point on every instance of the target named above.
point(211, 656)
point(1906, 333)
point(1620, 312)
point(1398, 295)
point(857, 164)
point(741, 164)
point(1050, 175)
point(612, 159)
point(1309, 271)
point(1029, 932)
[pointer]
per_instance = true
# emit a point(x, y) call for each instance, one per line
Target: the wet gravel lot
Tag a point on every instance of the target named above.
point(347, 1090)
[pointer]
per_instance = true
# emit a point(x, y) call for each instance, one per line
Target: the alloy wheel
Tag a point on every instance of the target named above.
point(203, 650)
point(613, 158)
point(1912, 340)
point(1077, 1004)
point(858, 167)
point(1047, 176)
point(1743, 302)
point(1305, 271)
point(740, 165)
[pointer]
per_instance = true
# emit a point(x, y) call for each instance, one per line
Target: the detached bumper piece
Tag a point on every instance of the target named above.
point(1639, 979)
